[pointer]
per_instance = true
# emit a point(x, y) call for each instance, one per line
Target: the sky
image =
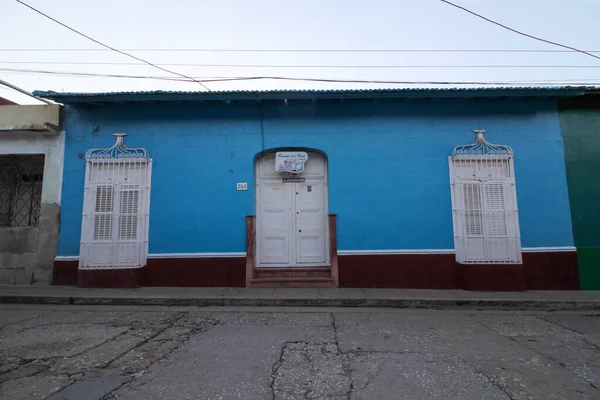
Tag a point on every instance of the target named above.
point(293, 25)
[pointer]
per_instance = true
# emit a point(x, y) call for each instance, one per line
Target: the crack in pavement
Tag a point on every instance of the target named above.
point(550, 358)
point(25, 362)
point(585, 339)
point(372, 378)
point(345, 358)
point(109, 395)
point(179, 341)
point(490, 380)
point(25, 320)
point(308, 370)
point(312, 370)
point(143, 342)
point(324, 365)
point(275, 368)
point(73, 377)
point(41, 368)
point(553, 360)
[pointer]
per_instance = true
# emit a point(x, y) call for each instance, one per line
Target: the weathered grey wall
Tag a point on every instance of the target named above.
point(40, 118)
point(27, 252)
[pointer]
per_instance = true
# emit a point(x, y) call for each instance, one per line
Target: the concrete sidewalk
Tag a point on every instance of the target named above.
point(400, 298)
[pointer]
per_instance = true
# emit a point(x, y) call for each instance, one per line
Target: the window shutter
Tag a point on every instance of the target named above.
point(103, 212)
point(116, 202)
point(115, 214)
point(484, 203)
point(486, 225)
point(473, 210)
point(495, 210)
point(128, 213)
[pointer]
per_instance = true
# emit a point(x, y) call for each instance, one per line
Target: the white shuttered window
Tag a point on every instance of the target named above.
point(484, 204)
point(115, 208)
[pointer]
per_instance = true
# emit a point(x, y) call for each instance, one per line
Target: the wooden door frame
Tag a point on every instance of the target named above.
point(330, 219)
point(324, 177)
point(251, 247)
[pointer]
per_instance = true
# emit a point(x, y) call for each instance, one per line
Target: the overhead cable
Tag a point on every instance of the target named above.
point(119, 51)
point(192, 50)
point(291, 65)
point(575, 81)
point(519, 32)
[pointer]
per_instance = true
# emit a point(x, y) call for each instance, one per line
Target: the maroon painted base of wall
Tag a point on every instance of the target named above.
point(419, 271)
point(65, 273)
point(200, 272)
point(539, 271)
point(110, 278)
point(551, 271)
point(491, 277)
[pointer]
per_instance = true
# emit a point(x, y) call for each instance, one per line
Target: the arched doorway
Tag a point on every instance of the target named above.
point(291, 214)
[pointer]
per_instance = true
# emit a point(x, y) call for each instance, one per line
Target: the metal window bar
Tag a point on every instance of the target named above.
point(485, 215)
point(21, 179)
point(116, 208)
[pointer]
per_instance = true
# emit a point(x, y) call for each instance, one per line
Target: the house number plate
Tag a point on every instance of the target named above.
point(242, 186)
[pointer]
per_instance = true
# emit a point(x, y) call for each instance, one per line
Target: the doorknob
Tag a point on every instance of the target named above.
point(299, 230)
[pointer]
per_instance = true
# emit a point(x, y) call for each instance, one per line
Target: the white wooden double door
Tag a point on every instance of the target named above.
point(292, 221)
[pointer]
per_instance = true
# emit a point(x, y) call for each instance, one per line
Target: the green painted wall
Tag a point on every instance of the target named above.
point(580, 124)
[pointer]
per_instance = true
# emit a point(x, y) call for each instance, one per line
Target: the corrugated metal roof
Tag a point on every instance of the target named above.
point(161, 95)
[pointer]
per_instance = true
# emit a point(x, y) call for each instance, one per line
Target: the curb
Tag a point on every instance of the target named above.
point(410, 303)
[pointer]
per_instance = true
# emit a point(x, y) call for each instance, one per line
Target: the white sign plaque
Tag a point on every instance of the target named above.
point(290, 161)
point(242, 186)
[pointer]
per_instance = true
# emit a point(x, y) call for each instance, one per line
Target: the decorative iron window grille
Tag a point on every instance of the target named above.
point(484, 203)
point(116, 204)
point(21, 178)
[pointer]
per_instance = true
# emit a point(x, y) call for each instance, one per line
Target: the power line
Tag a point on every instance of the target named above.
point(118, 51)
point(577, 81)
point(307, 50)
point(97, 75)
point(519, 32)
point(291, 65)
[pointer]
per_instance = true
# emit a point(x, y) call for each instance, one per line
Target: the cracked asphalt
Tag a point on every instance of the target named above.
point(114, 352)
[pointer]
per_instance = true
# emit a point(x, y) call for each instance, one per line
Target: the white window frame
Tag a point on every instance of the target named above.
point(484, 233)
point(121, 169)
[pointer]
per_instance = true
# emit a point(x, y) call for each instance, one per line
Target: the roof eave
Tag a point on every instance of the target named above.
point(125, 97)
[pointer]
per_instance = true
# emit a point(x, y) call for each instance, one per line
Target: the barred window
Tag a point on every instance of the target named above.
point(21, 179)
point(484, 203)
point(486, 222)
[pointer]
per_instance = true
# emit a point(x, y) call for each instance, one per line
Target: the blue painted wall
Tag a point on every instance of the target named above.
point(388, 167)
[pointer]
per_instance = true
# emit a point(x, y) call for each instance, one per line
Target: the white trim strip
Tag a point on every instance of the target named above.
point(112, 268)
point(446, 251)
point(548, 249)
point(198, 255)
point(66, 258)
point(340, 253)
point(393, 252)
point(172, 255)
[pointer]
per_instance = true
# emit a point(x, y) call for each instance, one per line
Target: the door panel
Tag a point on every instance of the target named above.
point(291, 228)
point(275, 222)
point(310, 222)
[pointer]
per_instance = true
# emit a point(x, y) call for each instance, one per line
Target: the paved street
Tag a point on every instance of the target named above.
point(119, 352)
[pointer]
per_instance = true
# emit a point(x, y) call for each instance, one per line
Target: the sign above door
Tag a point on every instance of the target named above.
point(290, 161)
